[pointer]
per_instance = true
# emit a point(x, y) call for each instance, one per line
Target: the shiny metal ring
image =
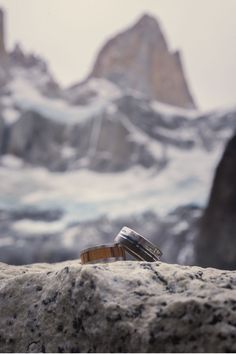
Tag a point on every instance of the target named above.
point(102, 254)
point(137, 245)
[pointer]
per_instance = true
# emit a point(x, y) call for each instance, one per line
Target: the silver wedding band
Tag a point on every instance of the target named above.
point(137, 245)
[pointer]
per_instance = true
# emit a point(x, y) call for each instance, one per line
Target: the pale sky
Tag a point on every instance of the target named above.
point(69, 33)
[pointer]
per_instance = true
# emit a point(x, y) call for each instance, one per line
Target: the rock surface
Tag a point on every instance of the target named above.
point(139, 59)
point(219, 220)
point(119, 307)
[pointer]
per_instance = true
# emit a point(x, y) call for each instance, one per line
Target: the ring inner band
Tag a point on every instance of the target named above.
point(103, 253)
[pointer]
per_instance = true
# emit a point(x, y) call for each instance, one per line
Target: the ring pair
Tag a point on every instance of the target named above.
point(126, 240)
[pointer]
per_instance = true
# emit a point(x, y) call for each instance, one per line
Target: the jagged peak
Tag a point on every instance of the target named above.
point(21, 58)
point(2, 12)
point(148, 26)
point(147, 20)
point(2, 34)
point(138, 58)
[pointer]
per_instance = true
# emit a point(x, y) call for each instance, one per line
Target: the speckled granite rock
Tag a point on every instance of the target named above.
point(119, 307)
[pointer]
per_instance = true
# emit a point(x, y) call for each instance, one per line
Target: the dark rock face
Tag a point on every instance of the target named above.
point(120, 307)
point(216, 245)
point(139, 59)
point(3, 52)
point(41, 141)
point(113, 150)
point(37, 139)
point(2, 133)
point(2, 35)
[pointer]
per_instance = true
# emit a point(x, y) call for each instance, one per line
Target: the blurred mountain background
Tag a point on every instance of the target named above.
point(125, 146)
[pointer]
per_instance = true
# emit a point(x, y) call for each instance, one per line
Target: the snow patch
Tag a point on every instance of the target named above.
point(85, 194)
point(104, 88)
point(101, 88)
point(10, 115)
point(12, 162)
point(137, 135)
point(30, 228)
point(27, 97)
point(6, 241)
point(68, 152)
point(180, 227)
point(168, 110)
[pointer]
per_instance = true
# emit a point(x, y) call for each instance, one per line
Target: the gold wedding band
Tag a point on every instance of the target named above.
point(103, 253)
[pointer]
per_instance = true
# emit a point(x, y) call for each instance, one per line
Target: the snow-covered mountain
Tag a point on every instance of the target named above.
point(99, 127)
point(70, 160)
point(87, 159)
point(169, 153)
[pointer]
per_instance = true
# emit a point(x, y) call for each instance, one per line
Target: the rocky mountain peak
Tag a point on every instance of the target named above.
point(3, 52)
point(139, 59)
point(2, 34)
point(148, 29)
point(17, 56)
point(147, 21)
point(28, 60)
point(29, 67)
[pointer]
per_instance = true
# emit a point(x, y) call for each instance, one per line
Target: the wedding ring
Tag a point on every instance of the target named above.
point(137, 245)
point(103, 253)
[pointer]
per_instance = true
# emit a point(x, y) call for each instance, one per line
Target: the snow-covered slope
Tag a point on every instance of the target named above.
point(93, 151)
point(110, 152)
